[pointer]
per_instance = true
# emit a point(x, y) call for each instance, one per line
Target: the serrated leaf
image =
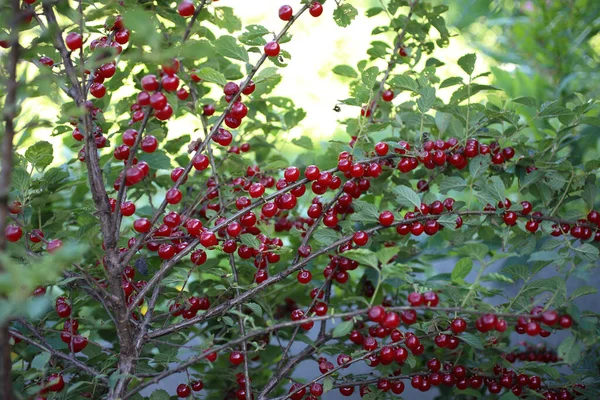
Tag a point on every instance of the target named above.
point(20, 180)
point(326, 236)
point(587, 252)
point(160, 395)
point(208, 74)
point(265, 74)
point(589, 191)
point(250, 240)
point(386, 253)
point(569, 350)
point(345, 70)
point(404, 82)
point(344, 14)
point(442, 121)
point(583, 291)
point(471, 340)
point(365, 212)
point(526, 101)
point(40, 154)
point(228, 320)
point(448, 221)
point(342, 329)
point(156, 160)
point(426, 100)
point(363, 257)
point(39, 362)
point(304, 142)
point(369, 76)
point(407, 197)
point(455, 80)
point(228, 46)
point(496, 189)
point(327, 384)
point(256, 309)
point(478, 165)
point(456, 183)
point(462, 268)
point(467, 63)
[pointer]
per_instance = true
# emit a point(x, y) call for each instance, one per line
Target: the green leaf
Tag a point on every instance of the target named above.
point(478, 165)
point(327, 384)
point(467, 63)
point(226, 19)
point(227, 46)
point(20, 180)
point(160, 395)
point(452, 183)
point(265, 74)
point(254, 35)
point(404, 82)
point(156, 160)
point(442, 121)
point(326, 236)
point(40, 155)
point(345, 70)
point(587, 252)
point(386, 253)
point(496, 189)
point(342, 329)
point(451, 82)
point(364, 212)
point(363, 257)
point(542, 369)
point(448, 221)
point(256, 309)
point(208, 74)
point(583, 291)
point(426, 100)
point(462, 268)
point(569, 350)
point(304, 142)
point(407, 197)
point(526, 101)
point(344, 14)
point(369, 76)
point(471, 340)
point(589, 191)
point(250, 240)
point(39, 362)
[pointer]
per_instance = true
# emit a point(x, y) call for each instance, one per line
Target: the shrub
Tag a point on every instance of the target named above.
point(151, 252)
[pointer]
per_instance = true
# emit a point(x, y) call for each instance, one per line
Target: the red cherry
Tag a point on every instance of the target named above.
point(208, 239)
point(142, 225)
point(316, 9)
point(74, 41)
point(387, 95)
point(272, 49)
point(532, 226)
point(183, 390)
point(416, 299)
point(236, 358)
point(13, 233)
point(382, 148)
point(285, 13)
point(186, 8)
point(565, 321)
point(360, 238)
point(304, 276)
point(149, 83)
point(149, 144)
point(97, 90)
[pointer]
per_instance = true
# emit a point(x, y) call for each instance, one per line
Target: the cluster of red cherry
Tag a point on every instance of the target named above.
point(14, 232)
point(529, 352)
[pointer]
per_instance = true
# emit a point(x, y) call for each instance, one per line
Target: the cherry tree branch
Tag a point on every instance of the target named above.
point(224, 307)
point(45, 346)
point(188, 29)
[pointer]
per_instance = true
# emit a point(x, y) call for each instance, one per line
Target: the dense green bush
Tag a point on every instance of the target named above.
point(152, 252)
